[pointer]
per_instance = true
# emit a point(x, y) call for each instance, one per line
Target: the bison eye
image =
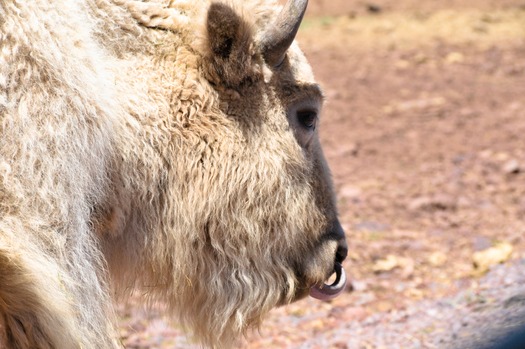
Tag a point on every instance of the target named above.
point(307, 118)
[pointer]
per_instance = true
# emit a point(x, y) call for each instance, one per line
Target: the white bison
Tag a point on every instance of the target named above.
point(169, 148)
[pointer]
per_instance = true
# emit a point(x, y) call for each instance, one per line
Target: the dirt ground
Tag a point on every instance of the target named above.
point(423, 128)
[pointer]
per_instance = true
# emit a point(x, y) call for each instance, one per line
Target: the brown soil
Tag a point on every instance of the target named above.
point(423, 128)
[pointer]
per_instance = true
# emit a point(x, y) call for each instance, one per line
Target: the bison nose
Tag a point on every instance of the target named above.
point(342, 247)
point(342, 251)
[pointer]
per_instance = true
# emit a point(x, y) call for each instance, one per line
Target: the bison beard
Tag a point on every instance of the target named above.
point(169, 150)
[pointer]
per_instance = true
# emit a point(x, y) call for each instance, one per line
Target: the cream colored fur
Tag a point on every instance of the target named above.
point(132, 157)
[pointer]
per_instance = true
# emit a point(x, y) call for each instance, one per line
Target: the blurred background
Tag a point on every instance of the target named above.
point(424, 129)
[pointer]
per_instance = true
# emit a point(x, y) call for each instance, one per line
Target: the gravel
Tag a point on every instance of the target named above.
point(477, 318)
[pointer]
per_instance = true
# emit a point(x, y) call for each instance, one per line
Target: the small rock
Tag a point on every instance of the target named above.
point(373, 8)
point(350, 192)
point(438, 202)
point(437, 259)
point(384, 306)
point(401, 64)
point(512, 167)
point(392, 262)
point(501, 156)
point(500, 253)
point(339, 345)
point(454, 57)
point(415, 293)
point(387, 264)
point(360, 286)
point(515, 301)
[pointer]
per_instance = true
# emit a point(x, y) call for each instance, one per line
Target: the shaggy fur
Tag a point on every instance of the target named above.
point(148, 146)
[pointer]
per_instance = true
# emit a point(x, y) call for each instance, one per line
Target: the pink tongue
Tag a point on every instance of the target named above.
point(327, 292)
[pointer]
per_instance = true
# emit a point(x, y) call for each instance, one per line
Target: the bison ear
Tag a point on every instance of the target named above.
point(230, 42)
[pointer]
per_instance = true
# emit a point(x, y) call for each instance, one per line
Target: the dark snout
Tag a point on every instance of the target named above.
point(339, 236)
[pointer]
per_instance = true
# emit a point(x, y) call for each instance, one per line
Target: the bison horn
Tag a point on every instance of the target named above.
point(327, 292)
point(278, 38)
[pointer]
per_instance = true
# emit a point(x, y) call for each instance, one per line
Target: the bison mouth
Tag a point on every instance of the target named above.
point(327, 292)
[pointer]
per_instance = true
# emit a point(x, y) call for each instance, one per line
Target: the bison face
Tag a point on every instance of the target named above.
point(268, 94)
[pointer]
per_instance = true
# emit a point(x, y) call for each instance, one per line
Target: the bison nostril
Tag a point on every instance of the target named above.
point(342, 251)
point(342, 247)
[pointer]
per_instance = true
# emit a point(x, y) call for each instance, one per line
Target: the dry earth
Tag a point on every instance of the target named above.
point(423, 128)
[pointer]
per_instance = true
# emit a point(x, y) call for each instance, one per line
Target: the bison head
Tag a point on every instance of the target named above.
point(251, 212)
point(265, 203)
point(268, 91)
